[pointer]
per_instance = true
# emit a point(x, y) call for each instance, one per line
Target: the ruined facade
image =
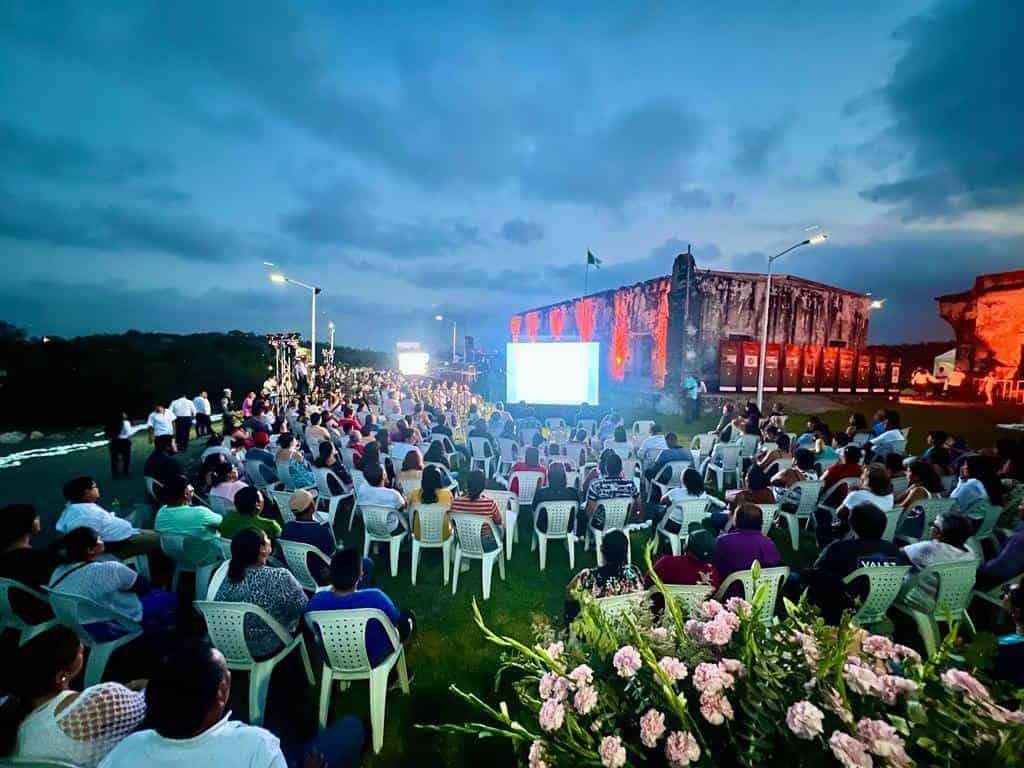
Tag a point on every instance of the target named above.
point(989, 323)
point(652, 332)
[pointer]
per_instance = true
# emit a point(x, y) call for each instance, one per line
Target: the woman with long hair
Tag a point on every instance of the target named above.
point(275, 590)
point(44, 719)
point(979, 481)
point(431, 491)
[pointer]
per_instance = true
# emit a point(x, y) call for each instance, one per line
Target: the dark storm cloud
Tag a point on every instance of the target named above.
point(522, 231)
point(115, 228)
point(23, 151)
point(958, 105)
point(338, 215)
point(758, 146)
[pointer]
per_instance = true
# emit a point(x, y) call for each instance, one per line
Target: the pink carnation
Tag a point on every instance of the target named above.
point(585, 699)
point(660, 634)
point(833, 702)
point(673, 667)
point(537, 755)
point(717, 632)
point(582, 675)
point(555, 650)
point(732, 666)
point(1004, 715)
point(681, 749)
point(652, 726)
point(905, 653)
point(738, 606)
point(862, 680)
point(809, 646)
point(694, 630)
point(710, 678)
point(709, 609)
point(552, 715)
point(731, 620)
point(958, 680)
point(715, 708)
point(879, 646)
point(894, 686)
point(627, 661)
point(881, 739)
point(804, 720)
point(547, 685)
point(848, 751)
point(613, 754)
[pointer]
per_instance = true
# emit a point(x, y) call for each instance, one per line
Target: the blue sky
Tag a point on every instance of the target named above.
point(461, 158)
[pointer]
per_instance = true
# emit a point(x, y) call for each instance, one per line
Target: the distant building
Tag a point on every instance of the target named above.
point(653, 332)
point(989, 323)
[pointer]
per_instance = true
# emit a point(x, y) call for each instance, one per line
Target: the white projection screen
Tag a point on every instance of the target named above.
point(553, 373)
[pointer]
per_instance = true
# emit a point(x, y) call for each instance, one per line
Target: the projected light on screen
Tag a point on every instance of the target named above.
point(553, 374)
point(413, 363)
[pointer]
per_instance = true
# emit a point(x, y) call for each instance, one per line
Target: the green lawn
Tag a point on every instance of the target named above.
point(447, 648)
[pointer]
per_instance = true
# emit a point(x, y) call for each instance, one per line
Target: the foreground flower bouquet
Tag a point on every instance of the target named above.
point(721, 688)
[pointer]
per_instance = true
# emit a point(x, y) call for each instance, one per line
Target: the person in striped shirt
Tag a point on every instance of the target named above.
point(475, 503)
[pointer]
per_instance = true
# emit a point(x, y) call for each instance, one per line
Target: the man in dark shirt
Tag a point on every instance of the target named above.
point(305, 530)
point(161, 464)
point(21, 562)
point(841, 558)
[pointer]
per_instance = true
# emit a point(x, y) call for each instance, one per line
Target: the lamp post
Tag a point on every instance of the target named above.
point(277, 277)
point(330, 327)
point(440, 318)
point(816, 240)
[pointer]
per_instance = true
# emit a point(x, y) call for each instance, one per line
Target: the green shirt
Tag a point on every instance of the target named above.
point(234, 521)
point(200, 523)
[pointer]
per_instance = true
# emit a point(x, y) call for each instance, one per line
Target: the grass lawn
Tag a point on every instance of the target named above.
point(447, 648)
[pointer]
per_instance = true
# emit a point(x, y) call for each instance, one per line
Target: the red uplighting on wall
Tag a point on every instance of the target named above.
point(532, 325)
point(620, 337)
point(514, 324)
point(659, 350)
point(556, 321)
point(584, 311)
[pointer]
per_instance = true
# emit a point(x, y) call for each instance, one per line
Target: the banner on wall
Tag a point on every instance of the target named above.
point(844, 379)
point(895, 370)
point(728, 366)
point(772, 353)
point(880, 371)
point(829, 369)
point(863, 383)
point(791, 359)
point(751, 352)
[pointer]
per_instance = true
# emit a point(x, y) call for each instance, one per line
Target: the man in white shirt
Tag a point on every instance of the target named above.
point(373, 492)
point(184, 411)
point(891, 440)
point(160, 422)
point(83, 511)
point(949, 534)
point(203, 412)
point(186, 709)
point(651, 446)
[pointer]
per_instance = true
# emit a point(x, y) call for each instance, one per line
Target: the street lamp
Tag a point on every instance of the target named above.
point(440, 318)
point(876, 304)
point(815, 240)
point(330, 327)
point(277, 277)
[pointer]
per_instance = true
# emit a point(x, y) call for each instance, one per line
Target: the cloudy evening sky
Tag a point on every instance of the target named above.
point(460, 158)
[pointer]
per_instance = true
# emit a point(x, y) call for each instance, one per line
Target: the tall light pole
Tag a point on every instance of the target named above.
point(816, 240)
point(277, 277)
point(330, 327)
point(440, 318)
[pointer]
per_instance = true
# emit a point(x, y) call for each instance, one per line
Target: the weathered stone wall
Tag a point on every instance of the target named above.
point(989, 322)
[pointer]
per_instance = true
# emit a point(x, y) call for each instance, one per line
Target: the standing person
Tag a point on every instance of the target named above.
point(119, 432)
point(203, 412)
point(160, 423)
point(301, 378)
point(988, 388)
point(692, 388)
point(226, 404)
point(184, 411)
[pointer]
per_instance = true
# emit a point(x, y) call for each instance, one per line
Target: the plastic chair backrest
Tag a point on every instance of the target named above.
point(899, 484)
point(729, 453)
point(470, 532)
point(528, 482)
point(558, 513)
point(284, 475)
point(375, 519)
point(690, 595)
point(283, 501)
point(225, 623)
point(323, 488)
point(689, 512)
point(931, 509)
point(884, 584)
point(616, 512)
point(509, 448)
point(956, 581)
point(641, 429)
point(219, 504)
point(615, 606)
point(254, 473)
point(153, 488)
point(809, 491)
point(892, 521)
point(348, 457)
point(478, 447)
point(748, 445)
point(768, 514)
point(343, 635)
point(555, 422)
point(8, 616)
point(296, 557)
point(674, 478)
point(988, 523)
point(74, 611)
point(773, 577)
point(832, 498)
point(526, 435)
point(431, 517)
point(590, 425)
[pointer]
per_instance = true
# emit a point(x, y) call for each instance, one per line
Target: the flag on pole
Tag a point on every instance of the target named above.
point(593, 261)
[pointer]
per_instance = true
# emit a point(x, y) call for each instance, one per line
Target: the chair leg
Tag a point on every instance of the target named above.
point(542, 543)
point(501, 567)
point(259, 684)
point(598, 539)
point(203, 575)
point(570, 542)
point(456, 568)
point(446, 560)
point(366, 544)
point(415, 561)
point(378, 705)
point(396, 550)
point(99, 655)
point(486, 572)
point(403, 672)
point(326, 683)
point(794, 530)
point(304, 652)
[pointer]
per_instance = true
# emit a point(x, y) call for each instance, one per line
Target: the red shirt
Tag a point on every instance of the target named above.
point(522, 466)
point(685, 569)
point(463, 505)
point(838, 472)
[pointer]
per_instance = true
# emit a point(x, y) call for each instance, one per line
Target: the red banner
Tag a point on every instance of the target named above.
point(556, 321)
point(514, 324)
point(620, 337)
point(584, 311)
point(532, 325)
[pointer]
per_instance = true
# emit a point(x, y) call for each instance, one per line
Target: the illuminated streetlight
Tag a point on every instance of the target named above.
point(277, 277)
point(876, 304)
point(814, 240)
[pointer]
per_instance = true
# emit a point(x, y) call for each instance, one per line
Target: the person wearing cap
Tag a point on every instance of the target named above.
point(305, 529)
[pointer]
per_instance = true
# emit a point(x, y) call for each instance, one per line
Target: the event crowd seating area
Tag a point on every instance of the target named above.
point(235, 566)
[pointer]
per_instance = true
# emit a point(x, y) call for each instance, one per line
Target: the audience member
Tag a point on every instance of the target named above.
point(694, 566)
point(82, 495)
point(247, 513)
point(161, 464)
point(557, 489)
point(375, 493)
point(949, 535)
point(692, 489)
point(737, 549)
point(225, 482)
point(475, 503)
point(530, 463)
point(616, 577)
point(610, 485)
point(1008, 562)
point(431, 491)
point(1009, 663)
point(25, 564)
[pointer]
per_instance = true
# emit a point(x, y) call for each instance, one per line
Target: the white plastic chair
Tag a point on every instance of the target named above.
point(614, 607)
point(687, 513)
point(526, 436)
point(343, 635)
point(296, 557)
point(989, 515)
point(748, 446)
point(10, 619)
point(469, 544)
point(555, 422)
point(558, 514)
point(480, 454)
point(669, 476)
point(930, 509)
point(809, 492)
point(528, 483)
point(154, 489)
point(431, 520)
point(283, 501)
point(284, 475)
point(590, 425)
point(900, 484)
point(191, 554)
point(508, 503)
point(641, 431)
point(690, 595)
point(616, 512)
point(884, 584)
point(348, 458)
point(953, 595)
point(508, 454)
point(724, 461)
point(892, 521)
point(377, 529)
point(837, 493)
point(773, 577)
point(323, 490)
point(225, 623)
point(219, 504)
point(255, 474)
point(769, 514)
point(74, 612)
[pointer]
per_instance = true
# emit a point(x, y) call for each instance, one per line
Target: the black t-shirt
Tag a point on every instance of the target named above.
point(33, 568)
point(844, 557)
point(555, 494)
point(162, 467)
